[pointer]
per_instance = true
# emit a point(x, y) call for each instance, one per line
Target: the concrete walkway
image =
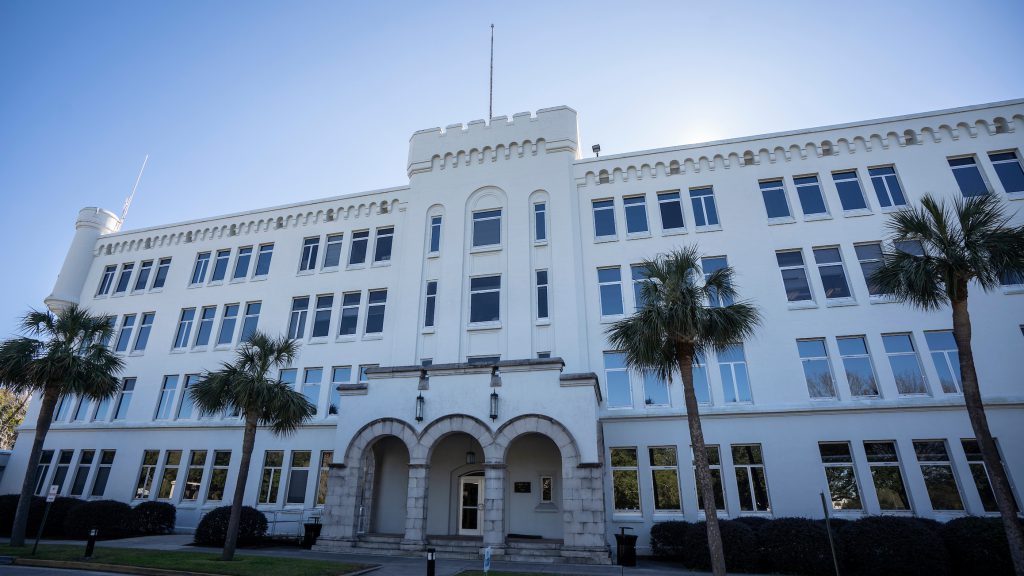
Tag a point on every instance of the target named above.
point(394, 565)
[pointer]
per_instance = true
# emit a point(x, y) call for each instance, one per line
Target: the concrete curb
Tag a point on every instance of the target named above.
point(124, 569)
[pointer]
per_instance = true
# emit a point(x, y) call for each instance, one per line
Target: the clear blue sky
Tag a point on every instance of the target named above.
point(243, 104)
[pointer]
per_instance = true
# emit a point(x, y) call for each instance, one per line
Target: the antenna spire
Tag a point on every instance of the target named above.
point(128, 201)
point(490, 99)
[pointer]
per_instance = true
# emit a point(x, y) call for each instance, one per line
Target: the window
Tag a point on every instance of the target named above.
point(375, 302)
point(701, 387)
point(227, 324)
point(332, 250)
point(82, 472)
point(671, 208)
point(435, 234)
point(339, 375)
point(543, 354)
point(704, 211)
point(194, 474)
point(102, 409)
point(638, 272)
point(906, 368)
point(968, 176)
point(364, 378)
point(60, 473)
point(885, 473)
point(857, 363)
point(604, 218)
point(636, 214)
point(751, 482)
point(487, 228)
point(287, 376)
point(732, 364)
point(270, 480)
point(477, 360)
point(144, 270)
point(298, 477)
point(169, 479)
point(542, 294)
point(1011, 279)
point(655, 390)
point(773, 192)
point(125, 335)
point(322, 317)
point(125, 278)
point(540, 222)
point(310, 252)
point(430, 304)
point(106, 281)
point(870, 257)
point(851, 197)
point(112, 321)
point(124, 399)
point(186, 406)
point(205, 328)
point(979, 472)
point(887, 187)
point(609, 282)
point(547, 490)
point(252, 318)
point(832, 273)
point(840, 475)
point(625, 480)
point(43, 470)
point(63, 406)
point(311, 386)
point(266, 253)
point(710, 266)
point(717, 487)
point(665, 477)
point(326, 456)
point(349, 313)
point(181, 337)
point(218, 475)
point(143, 337)
point(242, 263)
point(147, 472)
point(199, 270)
point(220, 265)
point(166, 402)
point(161, 273)
point(1008, 169)
point(620, 393)
point(99, 485)
point(794, 276)
point(382, 244)
point(947, 362)
point(357, 249)
point(81, 410)
point(485, 299)
point(817, 370)
point(808, 190)
point(913, 247)
point(939, 478)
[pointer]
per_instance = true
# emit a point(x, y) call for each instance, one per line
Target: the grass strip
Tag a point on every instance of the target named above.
point(493, 573)
point(243, 565)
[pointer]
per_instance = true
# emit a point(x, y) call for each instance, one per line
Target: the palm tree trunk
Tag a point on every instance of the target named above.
point(979, 422)
point(248, 441)
point(684, 355)
point(49, 403)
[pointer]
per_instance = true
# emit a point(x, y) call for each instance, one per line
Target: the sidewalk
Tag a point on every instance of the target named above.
point(396, 565)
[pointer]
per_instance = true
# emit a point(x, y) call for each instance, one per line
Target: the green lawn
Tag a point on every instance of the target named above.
point(189, 561)
point(493, 573)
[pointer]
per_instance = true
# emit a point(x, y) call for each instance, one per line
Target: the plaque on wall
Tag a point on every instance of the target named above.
point(521, 487)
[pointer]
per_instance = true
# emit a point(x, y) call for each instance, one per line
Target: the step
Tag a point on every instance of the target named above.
point(513, 557)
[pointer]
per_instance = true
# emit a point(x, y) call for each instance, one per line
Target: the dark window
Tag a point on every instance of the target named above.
point(636, 214)
point(968, 176)
point(357, 249)
point(809, 192)
point(1007, 166)
point(431, 303)
point(484, 298)
point(671, 210)
point(375, 303)
point(604, 218)
point(382, 247)
point(851, 197)
point(774, 194)
point(887, 186)
point(487, 228)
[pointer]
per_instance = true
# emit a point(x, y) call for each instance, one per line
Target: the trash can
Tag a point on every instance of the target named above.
point(625, 547)
point(311, 531)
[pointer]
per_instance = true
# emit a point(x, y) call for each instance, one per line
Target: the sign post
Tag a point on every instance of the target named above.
point(828, 528)
point(487, 559)
point(50, 497)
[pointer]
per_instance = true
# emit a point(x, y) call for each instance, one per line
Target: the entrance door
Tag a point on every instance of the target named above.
point(471, 506)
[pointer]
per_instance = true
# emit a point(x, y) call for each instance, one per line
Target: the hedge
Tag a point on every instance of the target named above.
point(73, 518)
point(977, 546)
point(109, 517)
point(152, 518)
point(212, 529)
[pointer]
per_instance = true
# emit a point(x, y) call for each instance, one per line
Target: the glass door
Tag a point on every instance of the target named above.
point(471, 489)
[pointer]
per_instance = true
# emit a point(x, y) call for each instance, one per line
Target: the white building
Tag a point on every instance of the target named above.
point(507, 249)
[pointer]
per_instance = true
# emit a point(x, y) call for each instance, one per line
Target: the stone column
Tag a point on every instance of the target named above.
point(416, 508)
point(583, 514)
point(339, 516)
point(494, 507)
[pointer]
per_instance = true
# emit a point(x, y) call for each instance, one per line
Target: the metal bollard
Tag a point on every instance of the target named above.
point(430, 562)
point(90, 545)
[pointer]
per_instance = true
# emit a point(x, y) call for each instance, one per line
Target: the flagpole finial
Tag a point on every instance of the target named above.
point(490, 96)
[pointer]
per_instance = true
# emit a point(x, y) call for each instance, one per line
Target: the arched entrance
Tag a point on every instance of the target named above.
point(385, 487)
point(456, 487)
point(533, 495)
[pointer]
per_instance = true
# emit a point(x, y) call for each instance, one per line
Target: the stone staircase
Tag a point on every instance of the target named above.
point(465, 548)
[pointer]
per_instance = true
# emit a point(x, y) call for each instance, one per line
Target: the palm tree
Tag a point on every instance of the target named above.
point(60, 355)
point(683, 314)
point(970, 243)
point(246, 388)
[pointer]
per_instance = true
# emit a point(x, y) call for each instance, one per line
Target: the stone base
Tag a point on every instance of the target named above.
point(334, 544)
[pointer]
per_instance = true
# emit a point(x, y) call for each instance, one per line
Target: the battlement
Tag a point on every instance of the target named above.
point(551, 130)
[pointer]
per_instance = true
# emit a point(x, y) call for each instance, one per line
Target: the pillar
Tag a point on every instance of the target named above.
point(494, 507)
point(416, 508)
point(91, 224)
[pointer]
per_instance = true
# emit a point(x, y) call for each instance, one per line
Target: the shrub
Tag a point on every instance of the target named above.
point(892, 545)
point(54, 523)
point(59, 511)
point(152, 518)
point(738, 541)
point(110, 517)
point(753, 522)
point(667, 539)
point(795, 546)
point(977, 546)
point(212, 529)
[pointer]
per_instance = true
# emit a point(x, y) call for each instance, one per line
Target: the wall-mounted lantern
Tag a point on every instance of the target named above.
point(494, 405)
point(419, 407)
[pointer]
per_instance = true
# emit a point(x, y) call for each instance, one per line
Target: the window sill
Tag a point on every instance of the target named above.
point(380, 264)
point(543, 322)
point(123, 294)
point(485, 249)
point(317, 340)
point(427, 330)
point(484, 326)
point(134, 353)
point(328, 269)
point(815, 217)
point(663, 515)
point(178, 350)
point(628, 516)
point(359, 266)
point(840, 302)
point(539, 243)
point(1014, 289)
point(857, 212)
point(1015, 195)
point(214, 282)
point(674, 231)
point(259, 278)
point(190, 287)
point(155, 290)
point(345, 338)
point(638, 235)
point(802, 305)
point(309, 272)
point(711, 228)
point(134, 292)
point(894, 208)
point(374, 336)
point(881, 300)
point(781, 220)
point(610, 319)
point(601, 239)
point(432, 255)
point(100, 297)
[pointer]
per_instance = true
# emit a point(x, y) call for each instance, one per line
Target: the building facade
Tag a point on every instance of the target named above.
point(453, 341)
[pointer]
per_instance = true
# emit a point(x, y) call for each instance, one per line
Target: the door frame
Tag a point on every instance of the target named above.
point(479, 482)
